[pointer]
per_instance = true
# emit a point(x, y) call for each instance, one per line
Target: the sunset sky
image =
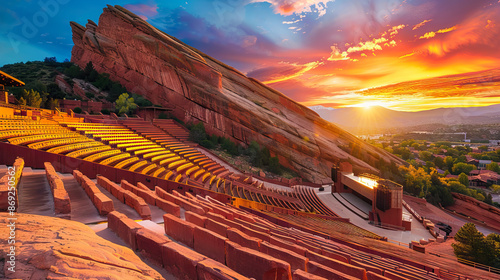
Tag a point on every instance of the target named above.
point(318, 52)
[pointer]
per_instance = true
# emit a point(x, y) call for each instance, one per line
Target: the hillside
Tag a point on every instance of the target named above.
point(164, 70)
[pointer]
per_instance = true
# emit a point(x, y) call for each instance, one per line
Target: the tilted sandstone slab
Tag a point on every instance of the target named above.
point(53, 248)
point(199, 88)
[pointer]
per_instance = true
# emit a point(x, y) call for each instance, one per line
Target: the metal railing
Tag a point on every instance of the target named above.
point(479, 266)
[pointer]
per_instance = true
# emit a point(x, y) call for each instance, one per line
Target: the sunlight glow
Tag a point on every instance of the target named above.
point(369, 104)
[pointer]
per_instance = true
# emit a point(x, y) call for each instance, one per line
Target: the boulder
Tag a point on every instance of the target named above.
point(60, 248)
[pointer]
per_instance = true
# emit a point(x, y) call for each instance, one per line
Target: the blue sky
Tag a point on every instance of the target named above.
point(319, 52)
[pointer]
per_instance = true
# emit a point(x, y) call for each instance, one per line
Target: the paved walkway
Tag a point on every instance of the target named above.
point(82, 208)
point(418, 232)
point(34, 194)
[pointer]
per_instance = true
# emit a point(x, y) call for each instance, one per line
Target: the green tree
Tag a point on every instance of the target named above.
point(462, 168)
point(53, 104)
point(449, 161)
point(274, 165)
point(439, 162)
point(77, 110)
point(495, 189)
point(470, 243)
point(483, 148)
point(253, 152)
point(197, 133)
point(124, 104)
point(22, 101)
point(74, 72)
point(493, 167)
point(416, 181)
point(32, 98)
point(425, 155)
point(463, 179)
point(88, 69)
point(489, 199)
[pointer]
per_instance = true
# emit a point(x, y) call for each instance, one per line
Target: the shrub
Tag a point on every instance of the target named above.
point(89, 95)
point(77, 110)
point(197, 133)
point(104, 111)
point(207, 144)
point(274, 165)
point(163, 116)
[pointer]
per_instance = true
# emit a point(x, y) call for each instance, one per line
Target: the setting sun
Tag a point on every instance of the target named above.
point(369, 104)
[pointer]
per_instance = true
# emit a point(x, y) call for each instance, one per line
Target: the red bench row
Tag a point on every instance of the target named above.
point(102, 202)
point(62, 203)
point(182, 262)
point(126, 196)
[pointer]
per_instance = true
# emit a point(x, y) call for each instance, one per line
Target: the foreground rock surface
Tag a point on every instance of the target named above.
point(199, 88)
point(53, 248)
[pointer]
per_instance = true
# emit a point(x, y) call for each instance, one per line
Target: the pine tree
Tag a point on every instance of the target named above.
point(473, 246)
point(32, 98)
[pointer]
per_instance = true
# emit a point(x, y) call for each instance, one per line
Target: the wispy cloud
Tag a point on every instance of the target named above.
point(283, 72)
point(417, 26)
point(288, 7)
point(432, 34)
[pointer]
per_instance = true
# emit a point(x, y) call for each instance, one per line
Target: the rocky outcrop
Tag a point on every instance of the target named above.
point(164, 70)
point(53, 248)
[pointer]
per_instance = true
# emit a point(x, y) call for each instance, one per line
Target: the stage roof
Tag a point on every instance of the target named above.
point(9, 81)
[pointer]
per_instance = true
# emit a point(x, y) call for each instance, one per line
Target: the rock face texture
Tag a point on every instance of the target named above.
point(53, 248)
point(160, 67)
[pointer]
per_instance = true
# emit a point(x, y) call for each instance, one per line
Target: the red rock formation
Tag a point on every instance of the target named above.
point(53, 248)
point(167, 72)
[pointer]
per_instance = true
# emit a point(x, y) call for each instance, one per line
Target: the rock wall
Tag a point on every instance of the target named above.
point(199, 88)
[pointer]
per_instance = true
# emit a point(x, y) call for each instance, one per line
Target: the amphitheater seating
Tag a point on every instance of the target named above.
point(102, 155)
point(220, 233)
point(62, 203)
point(103, 203)
point(58, 142)
point(172, 160)
point(310, 198)
point(73, 147)
point(172, 128)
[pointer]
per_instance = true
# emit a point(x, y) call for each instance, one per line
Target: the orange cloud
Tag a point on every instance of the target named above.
point(407, 55)
point(337, 54)
point(429, 35)
point(394, 30)
point(372, 46)
point(489, 25)
point(417, 26)
point(368, 46)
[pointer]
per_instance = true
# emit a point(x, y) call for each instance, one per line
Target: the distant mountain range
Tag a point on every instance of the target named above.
point(377, 119)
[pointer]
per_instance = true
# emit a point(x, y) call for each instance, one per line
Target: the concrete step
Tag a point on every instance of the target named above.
point(82, 208)
point(35, 196)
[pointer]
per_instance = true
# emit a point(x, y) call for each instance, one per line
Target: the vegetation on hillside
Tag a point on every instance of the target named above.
point(39, 76)
point(254, 154)
point(429, 165)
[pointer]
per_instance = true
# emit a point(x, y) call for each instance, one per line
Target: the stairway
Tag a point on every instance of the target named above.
point(82, 208)
point(34, 194)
